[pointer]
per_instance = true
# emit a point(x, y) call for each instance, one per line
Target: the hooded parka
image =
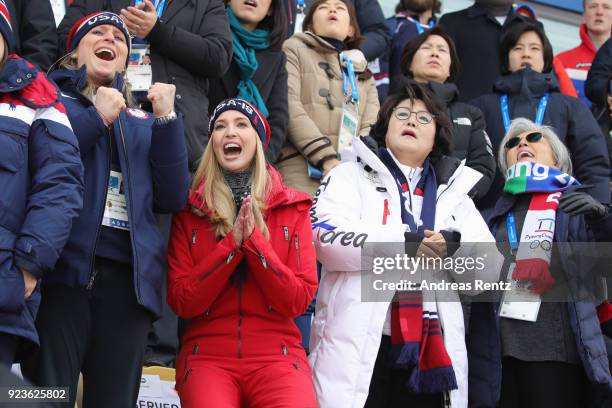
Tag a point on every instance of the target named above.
point(571, 120)
point(315, 107)
point(348, 214)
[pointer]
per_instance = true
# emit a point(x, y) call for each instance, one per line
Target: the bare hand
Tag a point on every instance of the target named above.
point(248, 221)
point(433, 245)
point(329, 164)
point(610, 105)
point(109, 102)
point(238, 228)
point(140, 19)
point(161, 97)
point(30, 283)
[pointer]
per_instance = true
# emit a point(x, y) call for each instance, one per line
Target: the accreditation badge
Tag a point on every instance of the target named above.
point(349, 126)
point(519, 302)
point(299, 21)
point(115, 208)
point(139, 72)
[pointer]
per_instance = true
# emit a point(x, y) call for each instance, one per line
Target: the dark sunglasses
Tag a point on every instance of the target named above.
point(532, 137)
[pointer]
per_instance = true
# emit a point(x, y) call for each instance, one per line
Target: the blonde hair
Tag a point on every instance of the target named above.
point(69, 61)
point(217, 197)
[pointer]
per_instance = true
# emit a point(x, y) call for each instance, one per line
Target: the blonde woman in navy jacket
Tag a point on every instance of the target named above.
point(105, 292)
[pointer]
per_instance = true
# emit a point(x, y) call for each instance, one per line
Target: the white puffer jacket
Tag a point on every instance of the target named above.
point(346, 331)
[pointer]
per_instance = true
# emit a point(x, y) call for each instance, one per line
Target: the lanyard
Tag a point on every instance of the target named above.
point(159, 5)
point(512, 238)
point(351, 78)
point(419, 26)
point(539, 114)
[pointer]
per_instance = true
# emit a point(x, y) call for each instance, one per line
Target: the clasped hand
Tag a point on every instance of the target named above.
point(245, 222)
point(432, 246)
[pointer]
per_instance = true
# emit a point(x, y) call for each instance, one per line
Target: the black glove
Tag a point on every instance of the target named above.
point(580, 203)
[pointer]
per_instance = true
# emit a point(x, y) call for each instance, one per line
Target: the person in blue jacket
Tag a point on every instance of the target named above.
point(100, 301)
point(546, 228)
point(41, 179)
point(528, 88)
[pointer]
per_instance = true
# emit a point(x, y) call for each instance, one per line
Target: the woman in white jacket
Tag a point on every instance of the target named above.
point(407, 193)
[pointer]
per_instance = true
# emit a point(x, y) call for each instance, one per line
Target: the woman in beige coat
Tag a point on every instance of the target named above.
point(316, 95)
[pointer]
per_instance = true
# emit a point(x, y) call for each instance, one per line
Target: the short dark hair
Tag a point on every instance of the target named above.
point(410, 89)
point(413, 46)
point(351, 42)
point(276, 23)
point(512, 35)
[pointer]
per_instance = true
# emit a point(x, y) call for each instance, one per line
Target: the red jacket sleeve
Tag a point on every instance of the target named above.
point(192, 288)
point(288, 288)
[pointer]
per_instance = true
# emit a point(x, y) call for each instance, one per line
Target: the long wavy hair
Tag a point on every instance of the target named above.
point(217, 200)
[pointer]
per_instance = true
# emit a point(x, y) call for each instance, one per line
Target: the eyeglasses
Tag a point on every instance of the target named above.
point(532, 137)
point(403, 114)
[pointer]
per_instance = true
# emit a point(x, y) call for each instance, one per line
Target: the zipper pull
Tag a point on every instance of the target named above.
point(297, 245)
point(285, 350)
point(195, 349)
point(194, 235)
point(263, 261)
point(186, 375)
point(91, 279)
point(286, 231)
point(231, 256)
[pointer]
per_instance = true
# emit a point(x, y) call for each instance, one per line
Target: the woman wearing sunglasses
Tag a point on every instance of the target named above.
point(529, 89)
point(553, 354)
point(399, 188)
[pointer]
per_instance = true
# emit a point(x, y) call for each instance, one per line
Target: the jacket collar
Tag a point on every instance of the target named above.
point(16, 74)
point(76, 79)
point(476, 11)
point(527, 82)
point(447, 93)
point(586, 39)
point(320, 45)
point(278, 196)
point(453, 176)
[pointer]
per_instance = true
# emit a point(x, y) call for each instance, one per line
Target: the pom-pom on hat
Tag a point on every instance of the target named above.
point(5, 24)
point(84, 25)
point(257, 119)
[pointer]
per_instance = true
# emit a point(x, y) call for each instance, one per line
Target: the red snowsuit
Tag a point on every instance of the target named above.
point(242, 346)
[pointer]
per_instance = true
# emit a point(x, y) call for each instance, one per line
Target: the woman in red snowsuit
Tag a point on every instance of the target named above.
point(241, 267)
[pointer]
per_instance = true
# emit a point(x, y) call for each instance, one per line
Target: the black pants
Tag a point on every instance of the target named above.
point(542, 384)
point(8, 348)
point(162, 341)
point(100, 332)
point(388, 385)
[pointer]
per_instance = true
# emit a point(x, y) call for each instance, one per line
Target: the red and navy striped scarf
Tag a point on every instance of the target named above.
point(417, 344)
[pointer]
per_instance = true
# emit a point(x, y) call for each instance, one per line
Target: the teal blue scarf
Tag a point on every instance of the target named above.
point(245, 43)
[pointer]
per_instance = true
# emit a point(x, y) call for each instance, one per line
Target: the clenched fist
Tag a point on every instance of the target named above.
point(161, 97)
point(109, 102)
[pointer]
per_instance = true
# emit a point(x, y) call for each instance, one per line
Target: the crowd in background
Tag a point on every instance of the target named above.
point(192, 184)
